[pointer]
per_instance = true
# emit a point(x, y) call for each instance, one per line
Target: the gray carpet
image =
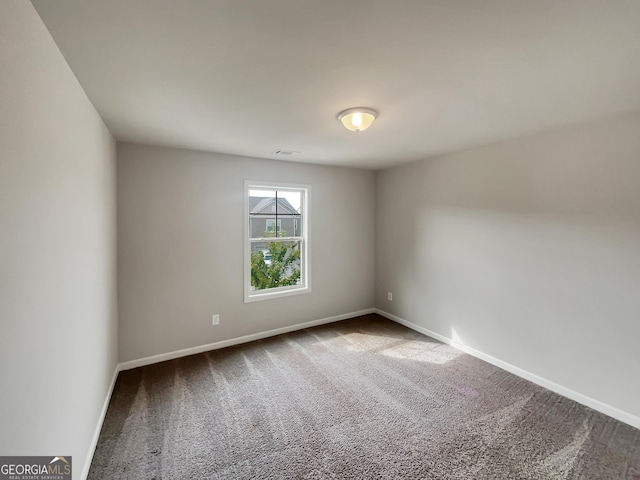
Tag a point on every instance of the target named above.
point(360, 399)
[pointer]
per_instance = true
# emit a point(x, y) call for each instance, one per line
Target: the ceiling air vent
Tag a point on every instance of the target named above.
point(285, 152)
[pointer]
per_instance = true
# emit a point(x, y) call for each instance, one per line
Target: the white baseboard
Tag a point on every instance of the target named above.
point(601, 407)
point(238, 340)
point(96, 433)
point(199, 349)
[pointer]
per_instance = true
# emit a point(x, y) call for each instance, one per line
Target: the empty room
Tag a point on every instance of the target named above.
point(297, 239)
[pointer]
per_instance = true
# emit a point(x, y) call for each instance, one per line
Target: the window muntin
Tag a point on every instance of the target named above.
point(276, 240)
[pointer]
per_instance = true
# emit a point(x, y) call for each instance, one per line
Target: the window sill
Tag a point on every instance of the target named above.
point(273, 294)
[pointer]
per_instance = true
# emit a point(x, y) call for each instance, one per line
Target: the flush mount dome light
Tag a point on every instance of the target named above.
point(357, 119)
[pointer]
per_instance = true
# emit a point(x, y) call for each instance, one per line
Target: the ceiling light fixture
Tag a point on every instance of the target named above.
point(357, 119)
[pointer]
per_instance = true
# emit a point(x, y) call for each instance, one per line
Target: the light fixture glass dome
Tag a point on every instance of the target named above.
point(357, 119)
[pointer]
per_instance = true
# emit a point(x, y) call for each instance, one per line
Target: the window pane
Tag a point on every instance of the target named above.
point(289, 211)
point(289, 202)
point(262, 193)
point(262, 213)
point(275, 213)
point(275, 264)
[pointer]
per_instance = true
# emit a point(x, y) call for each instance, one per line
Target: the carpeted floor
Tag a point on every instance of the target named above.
point(359, 399)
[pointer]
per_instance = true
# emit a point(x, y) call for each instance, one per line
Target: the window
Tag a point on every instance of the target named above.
point(271, 224)
point(276, 240)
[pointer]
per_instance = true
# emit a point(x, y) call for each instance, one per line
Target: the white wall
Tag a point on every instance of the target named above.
point(58, 347)
point(180, 247)
point(526, 250)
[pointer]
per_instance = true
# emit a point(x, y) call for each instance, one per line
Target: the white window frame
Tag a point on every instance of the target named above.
point(273, 222)
point(305, 261)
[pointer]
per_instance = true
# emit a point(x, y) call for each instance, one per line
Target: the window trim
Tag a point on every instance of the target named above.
point(305, 259)
point(278, 227)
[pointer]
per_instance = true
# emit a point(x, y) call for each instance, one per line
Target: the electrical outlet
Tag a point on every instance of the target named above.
point(215, 320)
point(390, 296)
